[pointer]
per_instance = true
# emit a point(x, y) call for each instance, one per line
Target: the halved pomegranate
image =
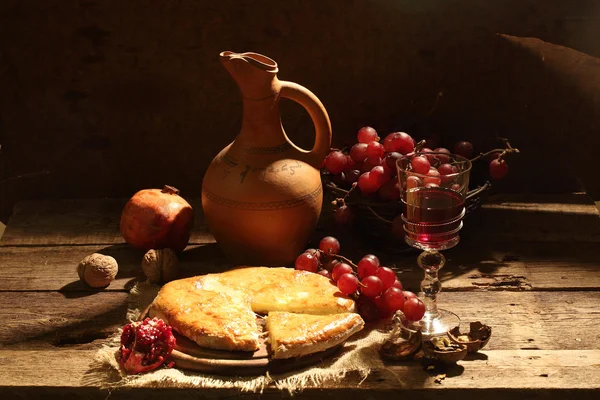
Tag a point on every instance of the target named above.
point(145, 345)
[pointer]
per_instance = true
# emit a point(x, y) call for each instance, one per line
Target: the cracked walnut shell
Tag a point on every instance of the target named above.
point(160, 265)
point(98, 270)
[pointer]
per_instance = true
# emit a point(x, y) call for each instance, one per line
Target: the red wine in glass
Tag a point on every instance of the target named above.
point(432, 214)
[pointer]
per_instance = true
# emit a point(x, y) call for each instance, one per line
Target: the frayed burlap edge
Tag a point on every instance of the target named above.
point(359, 355)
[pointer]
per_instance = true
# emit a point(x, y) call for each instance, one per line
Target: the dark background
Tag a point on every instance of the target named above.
point(113, 96)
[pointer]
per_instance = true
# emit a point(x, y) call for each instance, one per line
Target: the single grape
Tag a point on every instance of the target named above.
point(400, 142)
point(430, 157)
point(307, 262)
point(367, 309)
point(371, 286)
point(393, 298)
point(340, 269)
point(388, 173)
point(433, 177)
point(455, 187)
point(316, 253)
point(367, 134)
point(413, 182)
point(367, 266)
point(498, 169)
point(420, 165)
point(389, 191)
point(343, 215)
point(329, 245)
point(409, 295)
point(447, 169)
point(370, 163)
point(375, 149)
point(347, 283)
point(414, 309)
point(351, 176)
point(368, 184)
point(358, 152)
point(350, 164)
point(339, 179)
point(442, 158)
point(391, 159)
point(336, 162)
point(387, 276)
point(378, 174)
point(330, 263)
point(397, 284)
point(384, 311)
point(464, 149)
point(324, 273)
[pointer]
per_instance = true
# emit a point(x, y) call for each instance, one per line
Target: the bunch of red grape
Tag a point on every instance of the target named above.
point(379, 292)
point(372, 163)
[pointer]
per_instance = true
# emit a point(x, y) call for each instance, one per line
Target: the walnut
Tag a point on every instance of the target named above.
point(160, 265)
point(98, 270)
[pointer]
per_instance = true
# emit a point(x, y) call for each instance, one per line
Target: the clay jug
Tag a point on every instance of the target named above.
point(262, 195)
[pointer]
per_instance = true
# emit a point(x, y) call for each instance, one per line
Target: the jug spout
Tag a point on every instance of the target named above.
point(254, 73)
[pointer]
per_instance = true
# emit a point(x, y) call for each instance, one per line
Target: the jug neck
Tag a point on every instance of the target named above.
point(261, 123)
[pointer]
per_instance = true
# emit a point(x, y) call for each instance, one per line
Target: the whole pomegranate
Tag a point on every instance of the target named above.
point(145, 345)
point(157, 219)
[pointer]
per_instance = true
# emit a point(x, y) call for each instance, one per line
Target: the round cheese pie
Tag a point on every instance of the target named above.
point(217, 310)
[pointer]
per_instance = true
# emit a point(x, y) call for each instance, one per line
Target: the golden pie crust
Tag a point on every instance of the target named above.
point(293, 335)
point(217, 310)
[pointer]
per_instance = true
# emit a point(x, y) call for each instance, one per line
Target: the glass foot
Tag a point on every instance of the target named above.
point(433, 325)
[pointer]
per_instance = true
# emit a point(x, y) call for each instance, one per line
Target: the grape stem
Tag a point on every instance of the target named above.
point(344, 259)
point(503, 152)
point(340, 201)
point(419, 146)
point(340, 258)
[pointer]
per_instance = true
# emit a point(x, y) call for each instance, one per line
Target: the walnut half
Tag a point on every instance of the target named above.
point(160, 265)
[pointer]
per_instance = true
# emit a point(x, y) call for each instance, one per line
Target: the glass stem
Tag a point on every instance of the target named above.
point(431, 261)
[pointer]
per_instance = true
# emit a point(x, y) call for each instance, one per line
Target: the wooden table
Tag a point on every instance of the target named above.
point(527, 265)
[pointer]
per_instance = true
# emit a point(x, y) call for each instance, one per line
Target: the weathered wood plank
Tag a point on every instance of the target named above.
point(78, 222)
point(532, 218)
point(52, 319)
point(531, 266)
point(54, 267)
point(521, 320)
point(536, 218)
point(514, 266)
point(512, 370)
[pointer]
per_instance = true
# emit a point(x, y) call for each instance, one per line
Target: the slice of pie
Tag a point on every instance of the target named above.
point(216, 319)
point(294, 335)
point(217, 310)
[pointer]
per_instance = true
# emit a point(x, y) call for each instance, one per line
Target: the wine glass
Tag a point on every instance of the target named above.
point(433, 188)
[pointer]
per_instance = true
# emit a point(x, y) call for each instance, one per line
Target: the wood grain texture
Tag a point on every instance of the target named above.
point(513, 272)
point(545, 369)
point(539, 218)
point(51, 319)
point(78, 222)
point(470, 266)
point(54, 267)
point(521, 320)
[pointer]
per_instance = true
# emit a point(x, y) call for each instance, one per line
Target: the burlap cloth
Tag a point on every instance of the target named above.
point(358, 355)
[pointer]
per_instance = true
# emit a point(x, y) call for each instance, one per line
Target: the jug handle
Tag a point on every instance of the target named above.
point(318, 114)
